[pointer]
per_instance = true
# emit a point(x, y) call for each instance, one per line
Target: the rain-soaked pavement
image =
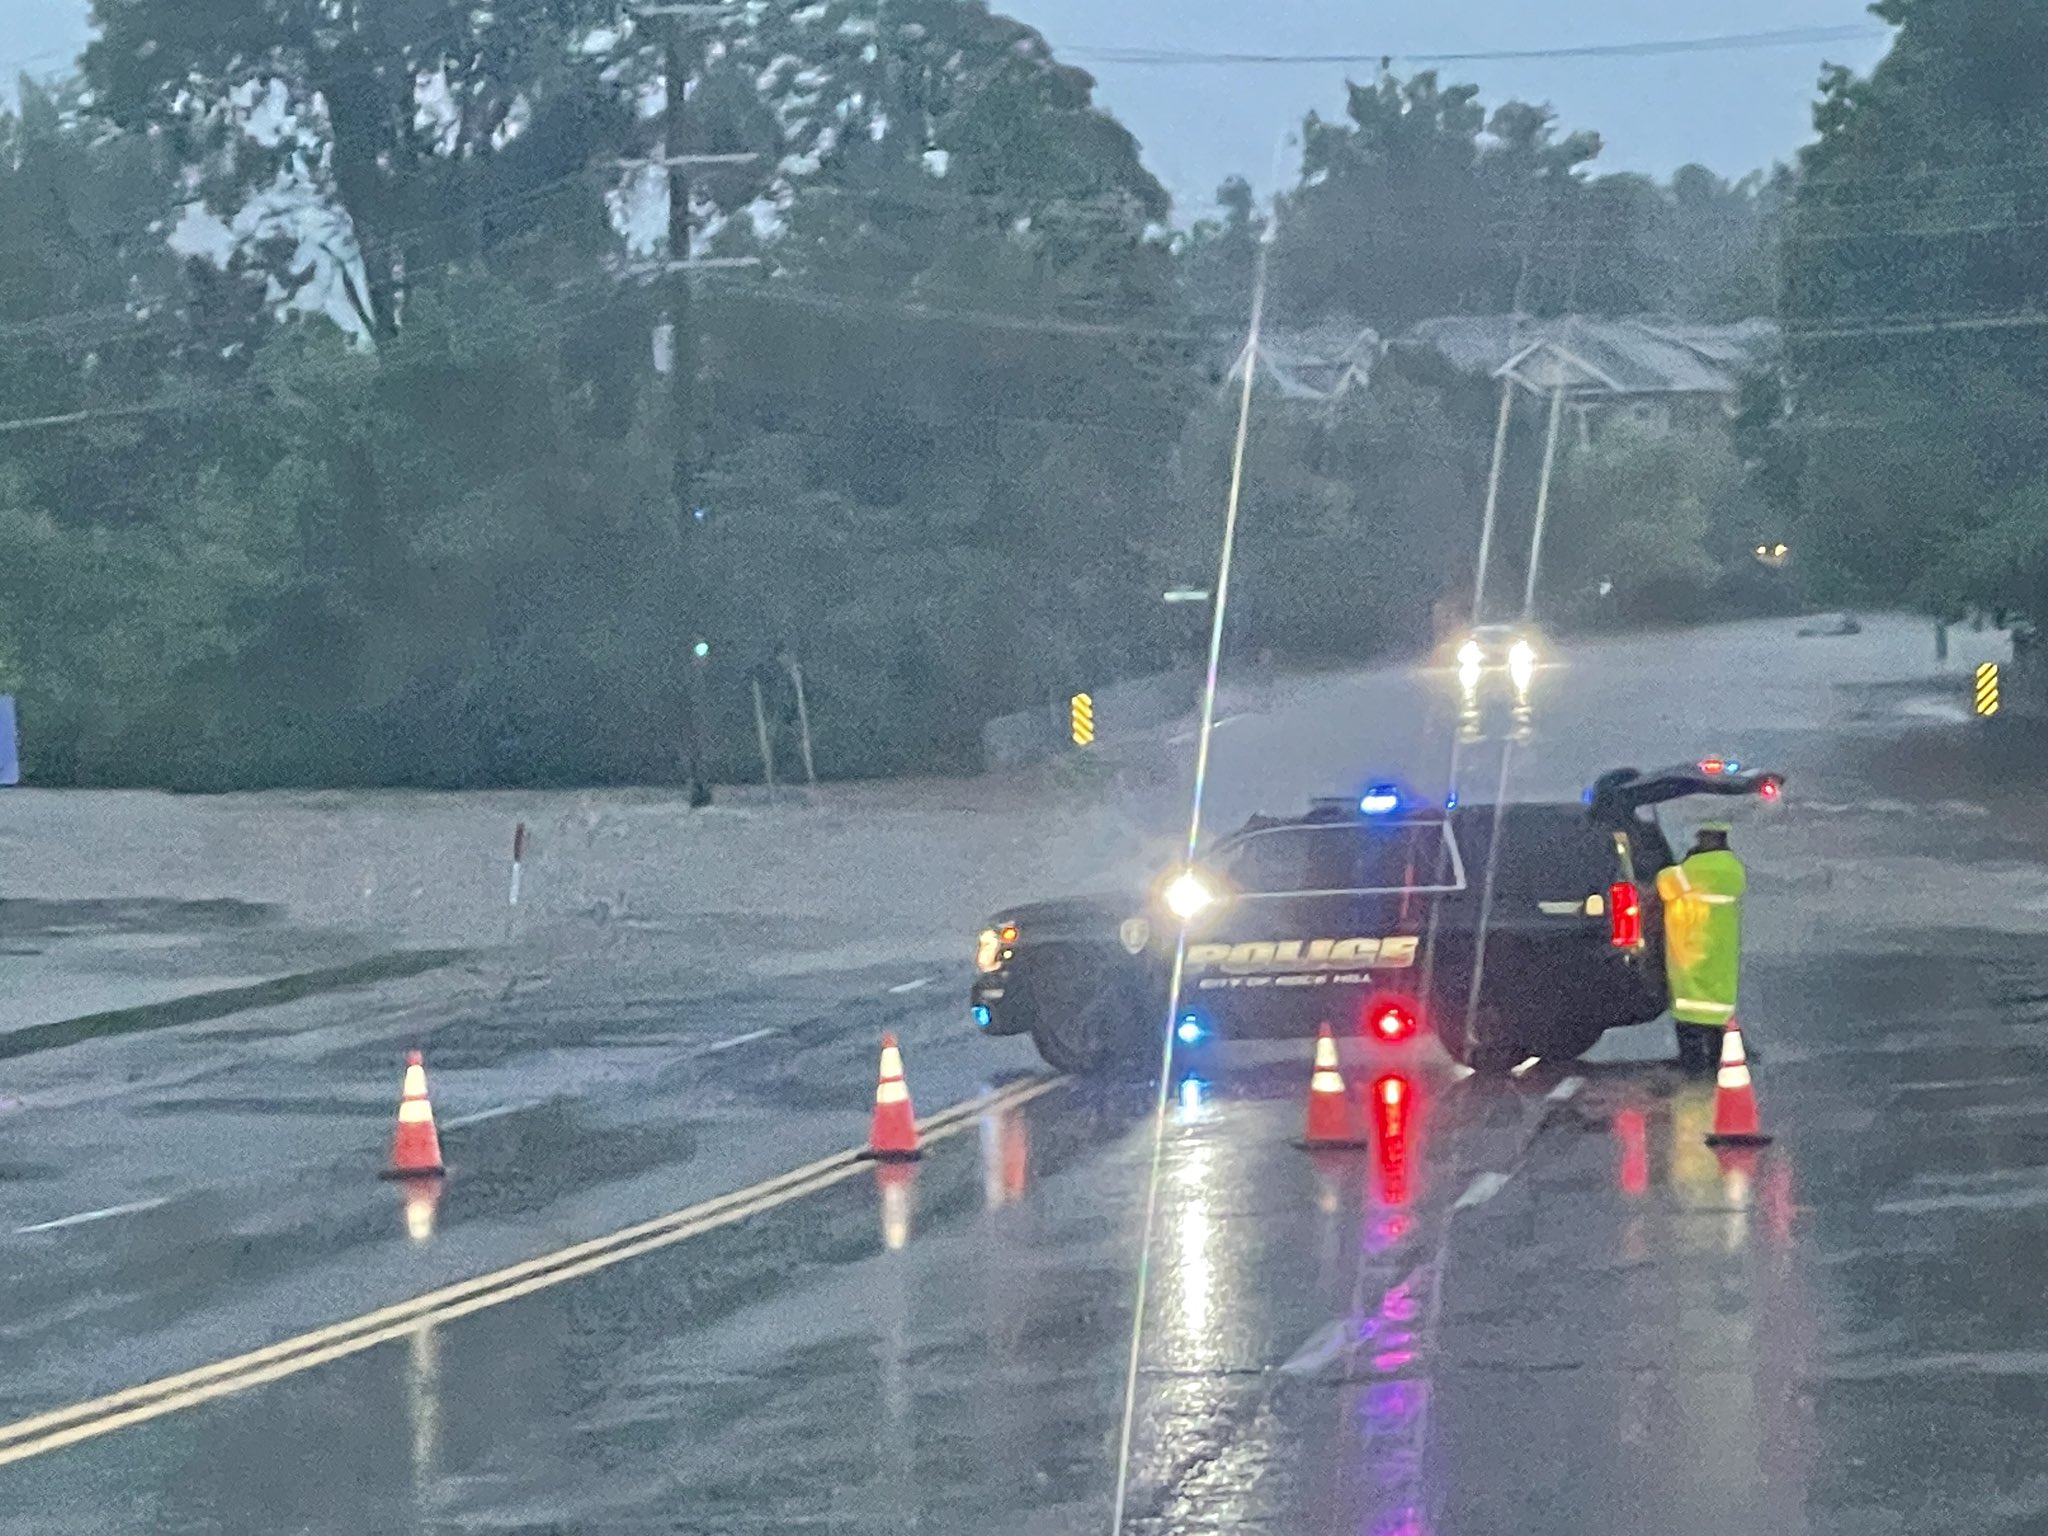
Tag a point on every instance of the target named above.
point(1540, 1305)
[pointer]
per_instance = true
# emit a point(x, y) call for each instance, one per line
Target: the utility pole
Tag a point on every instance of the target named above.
point(679, 322)
point(682, 374)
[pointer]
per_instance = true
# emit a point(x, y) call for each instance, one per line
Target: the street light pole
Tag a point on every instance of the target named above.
point(1543, 500)
point(1500, 451)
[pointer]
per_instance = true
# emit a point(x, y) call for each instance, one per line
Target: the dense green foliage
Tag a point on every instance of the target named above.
point(1916, 284)
point(371, 476)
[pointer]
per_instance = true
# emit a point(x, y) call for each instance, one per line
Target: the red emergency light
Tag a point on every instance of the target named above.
point(1392, 1021)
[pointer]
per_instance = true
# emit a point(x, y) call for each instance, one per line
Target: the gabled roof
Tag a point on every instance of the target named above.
point(1618, 359)
point(1321, 363)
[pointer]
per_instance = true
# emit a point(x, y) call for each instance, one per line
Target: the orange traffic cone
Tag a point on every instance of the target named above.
point(893, 1136)
point(1332, 1122)
point(416, 1146)
point(1735, 1120)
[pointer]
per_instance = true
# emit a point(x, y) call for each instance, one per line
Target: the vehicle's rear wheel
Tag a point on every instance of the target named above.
point(1493, 1049)
point(1570, 1042)
point(1088, 1016)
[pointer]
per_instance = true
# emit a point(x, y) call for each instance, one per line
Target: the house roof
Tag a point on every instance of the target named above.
point(1320, 363)
point(1620, 359)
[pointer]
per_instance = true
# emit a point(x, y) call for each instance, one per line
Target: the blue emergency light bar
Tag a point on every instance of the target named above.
point(1380, 799)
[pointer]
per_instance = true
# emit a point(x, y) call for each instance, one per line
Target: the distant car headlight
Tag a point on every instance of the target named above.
point(1522, 664)
point(1470, 655)
point(1188, 895)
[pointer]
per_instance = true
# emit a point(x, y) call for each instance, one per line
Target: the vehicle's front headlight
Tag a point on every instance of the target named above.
point(1470, 655)
point(1188, 895)
point(1522, 664)
point(994, 947)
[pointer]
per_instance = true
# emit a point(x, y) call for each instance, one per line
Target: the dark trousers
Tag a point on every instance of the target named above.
point(1699, 1047)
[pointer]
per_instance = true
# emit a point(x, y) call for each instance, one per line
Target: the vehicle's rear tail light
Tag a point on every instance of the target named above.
point(1769, 789)
point(1392, 1022)
point(1624, 915)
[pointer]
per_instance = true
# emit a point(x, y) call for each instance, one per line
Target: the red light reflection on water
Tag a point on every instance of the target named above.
point(1632, 1130)
point(1395, 1104)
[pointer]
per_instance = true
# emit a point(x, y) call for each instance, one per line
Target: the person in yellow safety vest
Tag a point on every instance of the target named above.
point(1702, 900)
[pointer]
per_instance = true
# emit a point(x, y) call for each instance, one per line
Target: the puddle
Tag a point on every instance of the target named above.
point(142, 914)
point(202, 1006)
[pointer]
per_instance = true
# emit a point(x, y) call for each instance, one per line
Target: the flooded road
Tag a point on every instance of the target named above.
point(1540, 1304)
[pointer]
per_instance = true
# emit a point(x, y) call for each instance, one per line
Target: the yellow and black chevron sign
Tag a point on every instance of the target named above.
point(1987, 689)
point(1081, 713)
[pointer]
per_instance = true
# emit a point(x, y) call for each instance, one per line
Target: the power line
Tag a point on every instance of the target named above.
point(1908, 325)
point(1730, 42)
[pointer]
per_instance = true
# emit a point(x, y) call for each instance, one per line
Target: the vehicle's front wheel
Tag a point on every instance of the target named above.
point(1088, 1017)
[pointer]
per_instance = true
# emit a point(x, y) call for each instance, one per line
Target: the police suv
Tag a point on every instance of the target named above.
point(1510, 930)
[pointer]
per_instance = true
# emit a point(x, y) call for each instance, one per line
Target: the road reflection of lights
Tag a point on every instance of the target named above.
point(1191, 1098)
point(1387, 1231)
point(1393, 1100)
point(1695, 1172)
point(1005, 1136)
point(1194, 1264)
point(423, 1398)
point(1777, 1199)
point(1632, 1130)
point(897, 1184)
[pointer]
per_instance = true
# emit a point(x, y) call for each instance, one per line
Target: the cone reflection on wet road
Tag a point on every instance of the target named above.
point(420, 1200)
point(896, 1184)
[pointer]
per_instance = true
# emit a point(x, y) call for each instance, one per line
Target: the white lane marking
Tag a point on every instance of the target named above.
point(495, 1112)
point(1525, 1065)
point(737, 1040)
point(1567, 1089)
point(1996, 1200)
point(105, 1214)
point(1482, 1189)
point(912, 986)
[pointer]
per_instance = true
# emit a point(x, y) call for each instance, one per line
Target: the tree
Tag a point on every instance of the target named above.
point(1353, 521)
point(1913, 278)
point(1641, 512)
point(387, 111)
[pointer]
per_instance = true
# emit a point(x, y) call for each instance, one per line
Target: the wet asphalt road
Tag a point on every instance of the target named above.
point(1541, 1306)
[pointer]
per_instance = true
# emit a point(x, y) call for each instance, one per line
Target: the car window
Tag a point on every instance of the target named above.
point(1348, 857)
point(1545, 852)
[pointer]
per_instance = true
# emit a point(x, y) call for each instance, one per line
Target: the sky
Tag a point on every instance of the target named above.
point(1734, 111)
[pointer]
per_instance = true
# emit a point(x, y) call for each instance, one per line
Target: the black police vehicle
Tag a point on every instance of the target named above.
point(1510, 930)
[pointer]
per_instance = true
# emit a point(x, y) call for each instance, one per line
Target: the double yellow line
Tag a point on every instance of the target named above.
point(53, 1431)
